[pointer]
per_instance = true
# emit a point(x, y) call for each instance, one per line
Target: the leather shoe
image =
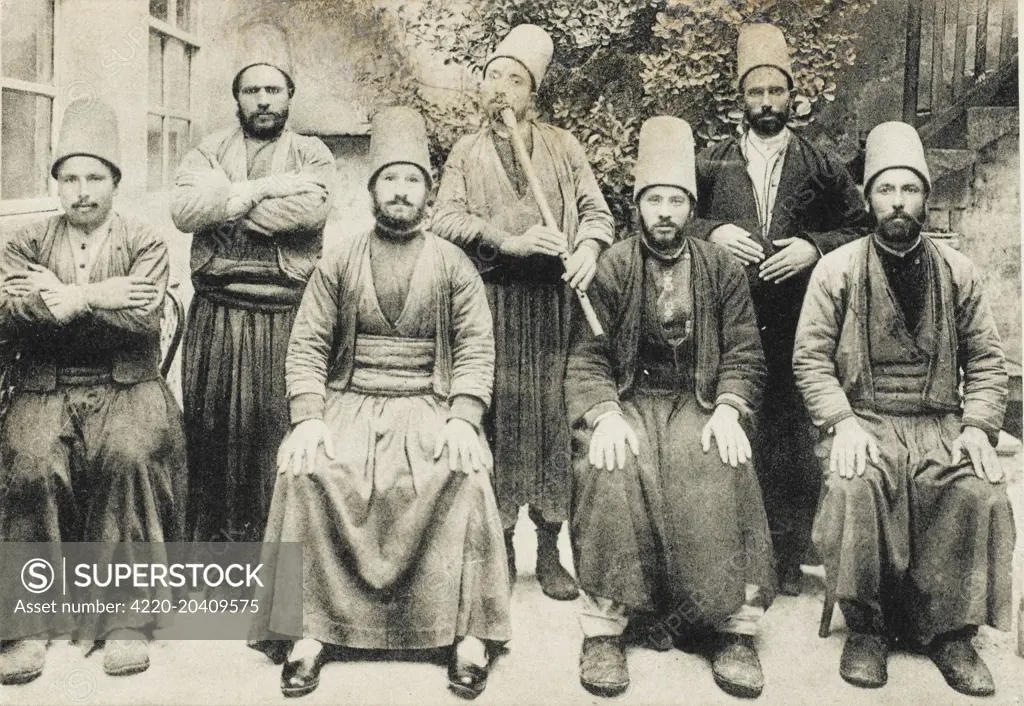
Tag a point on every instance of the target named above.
point(555, 581)
point(302, 676)
point(790, 580)
point(275, 650)
point(961, 665)
point(466, 679)
point(603, 669)
point(736, 666)
point(123, 657)
point(864, 658)
point(21, 661)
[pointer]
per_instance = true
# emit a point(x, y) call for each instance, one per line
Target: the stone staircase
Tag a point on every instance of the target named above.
point(953, 168)
point(972, 208)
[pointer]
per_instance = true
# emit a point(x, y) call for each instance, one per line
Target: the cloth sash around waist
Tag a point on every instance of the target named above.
point(391, 365)
point(82, 375)
point(250, 285)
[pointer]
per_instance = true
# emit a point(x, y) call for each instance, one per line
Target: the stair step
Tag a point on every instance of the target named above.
point(945, 161)
point(950, 239)
point(987, 124)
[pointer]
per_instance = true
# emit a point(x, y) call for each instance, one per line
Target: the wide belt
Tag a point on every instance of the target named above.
point(85, 376)
point(392, 365)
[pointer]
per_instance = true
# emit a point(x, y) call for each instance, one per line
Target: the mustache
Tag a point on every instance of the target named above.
point(80, 204)
point(902, 215)
point(399, 201)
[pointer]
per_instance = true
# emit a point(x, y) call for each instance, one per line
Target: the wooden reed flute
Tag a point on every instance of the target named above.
point(509, 118)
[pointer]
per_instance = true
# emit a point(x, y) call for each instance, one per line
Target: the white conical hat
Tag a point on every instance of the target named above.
point(398, 135)
point(89, 129)
point(262, 43)
point(666, 156)
point(762, 45)
point(891, 145)
point(531, 46)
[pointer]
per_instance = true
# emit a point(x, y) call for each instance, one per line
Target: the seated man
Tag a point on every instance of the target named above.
point(92, 448)
point(915, 527)
point(661, 527)
point(389, 369)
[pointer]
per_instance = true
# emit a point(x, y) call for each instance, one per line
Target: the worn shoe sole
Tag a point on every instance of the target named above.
point(742, 691)
point(127, 669)
point(466, 692)
point(561, 596)
point(20, 677)
point(863, 683)
point(606, 690)
point(294, 691)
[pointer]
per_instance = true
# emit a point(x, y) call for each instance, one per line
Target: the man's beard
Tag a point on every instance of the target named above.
point(767, 122)
point(267, 132)
point(496, 106)
point(662, 244)
point(900, 228)
point(397, 223)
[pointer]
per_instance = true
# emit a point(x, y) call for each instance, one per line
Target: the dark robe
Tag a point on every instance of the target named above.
point(817, 200)
point(478, 205)
point(399, 551)
point(918, 545)
point(248, 274)
point(677, 531)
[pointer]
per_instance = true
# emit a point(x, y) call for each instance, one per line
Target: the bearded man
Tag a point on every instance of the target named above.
point(255, 198)
point(384, 477)
point(915, 527)
point(666, 531)
point(785, 201)
point(485, 206)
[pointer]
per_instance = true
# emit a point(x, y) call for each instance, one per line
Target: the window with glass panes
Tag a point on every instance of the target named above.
point(169, 122)
point(27, 93)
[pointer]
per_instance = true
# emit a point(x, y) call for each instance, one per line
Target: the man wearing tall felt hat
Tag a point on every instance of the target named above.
point(389, 371)
point(782, 202)
point(899, 360)
point(255, 198)
point(485, 205)
point(92, 447)
point(660, 412)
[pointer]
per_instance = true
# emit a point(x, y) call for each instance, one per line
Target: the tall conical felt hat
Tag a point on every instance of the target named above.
point(398, 135)
point(666, 156)
point(762, 45)
point(894, 144)
point(531, 46)
point(262, 43)
point(89, 128)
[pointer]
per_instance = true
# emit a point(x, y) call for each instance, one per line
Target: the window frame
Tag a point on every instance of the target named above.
point(50, 202)
point(192, 45)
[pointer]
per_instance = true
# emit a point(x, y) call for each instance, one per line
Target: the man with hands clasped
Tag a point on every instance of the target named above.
point(915, 527)
point(668, 526)
point(784, 200)
point(385, 476)
point(485, 205)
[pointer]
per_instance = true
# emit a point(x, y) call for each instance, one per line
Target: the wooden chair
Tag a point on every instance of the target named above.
point(172, 328)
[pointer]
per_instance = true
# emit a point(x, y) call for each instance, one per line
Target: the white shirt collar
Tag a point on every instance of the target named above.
point(768, 146)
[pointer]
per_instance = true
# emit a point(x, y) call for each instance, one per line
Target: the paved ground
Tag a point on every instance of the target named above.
point(540, 666)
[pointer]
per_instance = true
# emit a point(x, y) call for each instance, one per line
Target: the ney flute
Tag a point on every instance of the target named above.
point(509, 118)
